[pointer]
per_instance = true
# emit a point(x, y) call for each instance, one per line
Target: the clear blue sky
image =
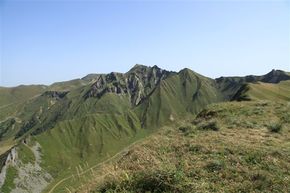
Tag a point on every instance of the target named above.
point(47, 41)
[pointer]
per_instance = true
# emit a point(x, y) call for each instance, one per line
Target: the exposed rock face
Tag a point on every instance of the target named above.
point(55, 94)
point(11, 157)
point(30, 177)
point(138, 83)
point(113, 82)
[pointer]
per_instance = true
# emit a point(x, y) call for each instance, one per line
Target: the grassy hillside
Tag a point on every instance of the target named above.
point(265, 91)
point(110, 126)
point(232, 87)
point(228, 147)
point(12, 99)
point(69, 85)
point(19, 93)
point(73, 125)
point(179, 95)
point(89, 139)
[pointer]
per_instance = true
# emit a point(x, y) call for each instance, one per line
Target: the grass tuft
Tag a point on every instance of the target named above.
point(214, 166)
point(275, 127)
point(209, 125)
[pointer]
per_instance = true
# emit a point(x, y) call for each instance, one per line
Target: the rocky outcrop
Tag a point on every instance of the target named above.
point(55, 94)
point(9, 158)
point(110, 83)
point(138, 83)
point(142, 81)
point(30, 176)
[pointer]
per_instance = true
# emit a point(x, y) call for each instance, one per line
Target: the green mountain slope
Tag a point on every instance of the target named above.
point(228, 147)
point(264, 91)
point(19, 93)
point(89, 121)
point(232, 86)
point(12, 99)
point(178, 95)
point(82, 122)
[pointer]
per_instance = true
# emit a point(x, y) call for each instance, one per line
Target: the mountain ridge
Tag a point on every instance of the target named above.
point(91, 118)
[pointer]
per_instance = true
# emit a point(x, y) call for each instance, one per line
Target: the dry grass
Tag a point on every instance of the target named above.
point(242, 156)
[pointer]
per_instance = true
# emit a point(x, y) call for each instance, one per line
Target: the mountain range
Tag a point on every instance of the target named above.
point(49, 132)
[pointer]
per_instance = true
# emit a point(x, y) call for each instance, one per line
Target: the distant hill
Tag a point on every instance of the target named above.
point(89, 120)
point(233, 87)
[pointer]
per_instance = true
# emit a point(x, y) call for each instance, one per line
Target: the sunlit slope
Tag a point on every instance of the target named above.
point(179, 95)
point(12, 99)
point(88, 139)
point(229, 147)
point(231, 87)
point(265, 91)
point(86, 123)
point(100, 127)
point(71, 84)
point(89, 120)
point(20, 93)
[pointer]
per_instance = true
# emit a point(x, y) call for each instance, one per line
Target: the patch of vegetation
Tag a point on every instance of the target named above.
point(253, 158)
point(187, 129)
point(285, 117)
point(8, 183)
point(275, 127)
point(156, 181)
point(262, 180)
point(25, 154)
point(215, 166)
point(208, 125)
point(5, 127)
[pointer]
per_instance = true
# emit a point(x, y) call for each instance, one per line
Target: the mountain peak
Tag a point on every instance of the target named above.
point(275, 76)
point(186, 70)
point(138, 66)
point(142, 68)
point(91, 77)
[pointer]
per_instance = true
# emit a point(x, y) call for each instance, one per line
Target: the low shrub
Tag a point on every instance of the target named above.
point(184, 129)
point(156, 181)
point(187, 129)
point(209, 125)
point(261, 180)
point(214, 166)
point(275, 127)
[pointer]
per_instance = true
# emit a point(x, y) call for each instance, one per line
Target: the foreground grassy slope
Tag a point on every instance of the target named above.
point(229, 147)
